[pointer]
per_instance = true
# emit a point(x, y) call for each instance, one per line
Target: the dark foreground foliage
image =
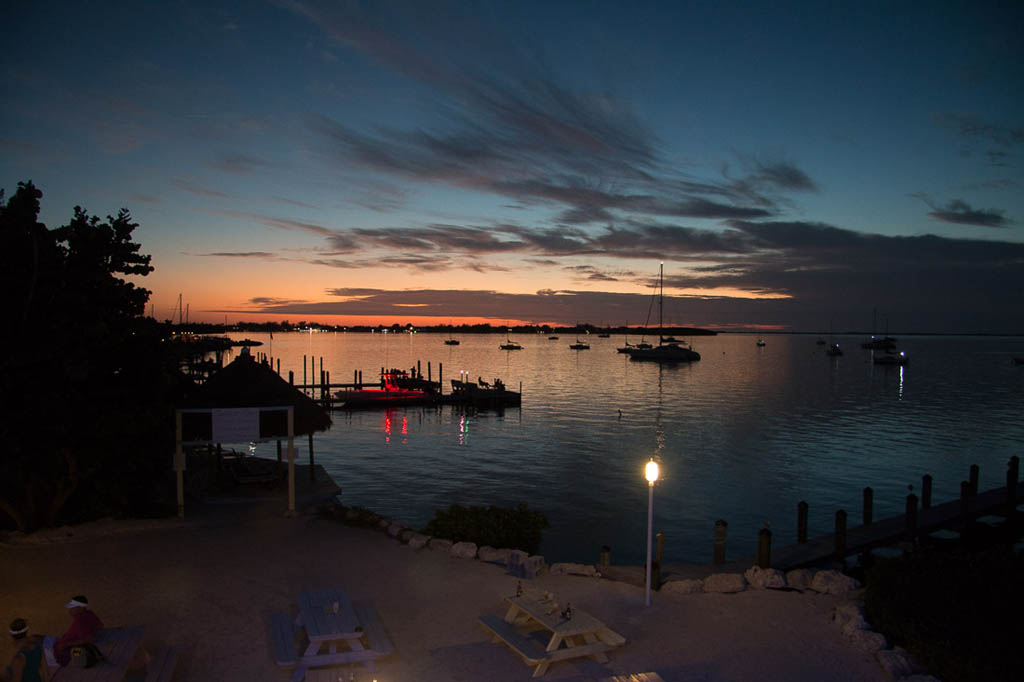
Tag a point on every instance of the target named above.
point(518, 528)
point(956, 611)
point(87, 418)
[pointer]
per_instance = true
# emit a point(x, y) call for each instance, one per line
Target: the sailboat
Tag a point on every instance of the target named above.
point(450, 341)
point(509, 343)
point(760, 342)
point(625, 338)
point(605, 334)
point(664, 352)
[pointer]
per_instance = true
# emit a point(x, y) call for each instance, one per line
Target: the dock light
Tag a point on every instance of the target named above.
point(651, 474)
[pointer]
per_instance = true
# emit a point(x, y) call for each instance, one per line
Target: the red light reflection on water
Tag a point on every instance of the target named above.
point(386, 427)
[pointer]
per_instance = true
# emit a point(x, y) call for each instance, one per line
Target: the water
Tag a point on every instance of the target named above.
point(743, 435)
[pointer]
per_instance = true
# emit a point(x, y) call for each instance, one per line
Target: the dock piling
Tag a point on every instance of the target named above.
point(1012, 474)
point(605, 556)
point(965, 508)
point(291, 377)
point(869, 498)
point(926, 491)
point(910, 525)
point(840, 543)
point(974, 479)
point(764, 548)
point(801, 522)
point(720, 536)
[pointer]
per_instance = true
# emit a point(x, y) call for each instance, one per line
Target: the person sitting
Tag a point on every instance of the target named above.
point(84, 626)
point(27, 664)
point(480, 380)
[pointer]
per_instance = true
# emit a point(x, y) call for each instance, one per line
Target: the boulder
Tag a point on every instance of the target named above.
point(849, 617)
point(833, 582)
point(533, 566)
point(383, 524)
point(516, 560)
point(867, 640)
point(799, 578)
point(725, 582)
point(573, 569)
point(463, 550)
point(395, 528)
point(418, 540)
point(406, 534)
point(494, 556)
point(765, 578)
point(440, 545)
point(682, 587)
point(895, 663)
point(352, 515)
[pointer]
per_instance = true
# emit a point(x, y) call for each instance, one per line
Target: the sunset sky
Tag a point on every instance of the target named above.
point(795, 165)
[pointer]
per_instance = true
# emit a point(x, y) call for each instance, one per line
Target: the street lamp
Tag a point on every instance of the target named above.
point(651, 473)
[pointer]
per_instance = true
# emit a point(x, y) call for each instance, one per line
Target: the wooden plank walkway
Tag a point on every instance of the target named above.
point(889, 532)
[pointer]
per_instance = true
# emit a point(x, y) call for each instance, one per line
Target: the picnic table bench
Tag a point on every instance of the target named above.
point(118, 646)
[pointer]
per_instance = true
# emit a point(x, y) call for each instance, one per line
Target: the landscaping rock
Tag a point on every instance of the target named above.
point(463, 550)
point(440, 545)
point(533, 566)
point(895, 663)
point(725, 582)
point(396, 527)
point(406, 534)
point(682, 587)
point(765, 578)
point(867, 640)
point(799, 578)
point(833, 582)
point(418, 540)
point(494, 556)
point(573, 569)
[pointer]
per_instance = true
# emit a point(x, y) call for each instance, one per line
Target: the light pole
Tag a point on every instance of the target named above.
point(651, 473)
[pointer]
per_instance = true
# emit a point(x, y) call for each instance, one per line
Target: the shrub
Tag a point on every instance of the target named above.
point(518, 528)
point(952, 611)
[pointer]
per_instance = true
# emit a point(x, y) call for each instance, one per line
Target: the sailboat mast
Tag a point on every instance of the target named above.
point(661, 303)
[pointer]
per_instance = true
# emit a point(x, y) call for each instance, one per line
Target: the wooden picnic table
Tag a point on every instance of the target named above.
point(581, 633)
point(118, 646)
point(338, 631)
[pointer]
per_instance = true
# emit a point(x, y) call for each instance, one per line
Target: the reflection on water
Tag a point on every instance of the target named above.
point(743, 435)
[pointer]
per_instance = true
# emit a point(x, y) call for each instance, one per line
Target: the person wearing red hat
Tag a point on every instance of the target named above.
point(84, 626)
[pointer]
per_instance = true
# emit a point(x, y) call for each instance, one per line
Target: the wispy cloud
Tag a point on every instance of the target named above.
point(974, 127)
point(960, 212)
point(199, 190)
point(239, 164)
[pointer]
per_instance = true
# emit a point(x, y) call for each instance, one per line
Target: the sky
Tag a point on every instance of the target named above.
point(794, 166)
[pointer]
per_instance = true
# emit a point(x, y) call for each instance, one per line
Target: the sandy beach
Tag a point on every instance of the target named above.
point(208, 585)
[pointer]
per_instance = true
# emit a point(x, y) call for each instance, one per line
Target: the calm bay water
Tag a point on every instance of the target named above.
point(743, 435)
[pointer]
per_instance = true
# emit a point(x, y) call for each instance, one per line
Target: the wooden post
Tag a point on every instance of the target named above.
point(606, 556)
point(869, 498)
point(840, 544)
point(1012, 473)
point(291, 460)
point(926, 491)
point(279, 366)
point(179, 465)
point(291, 377)
point(721, 528)
point(764, 548)
point(303, 373)
point(965, 509)
point(360, 378)
point(419, 370)
point(911, 517)
point(428, 370)
point(312, 474)
point(801, 522)
point(439, 381)
point(974, 479)
point(279, 452)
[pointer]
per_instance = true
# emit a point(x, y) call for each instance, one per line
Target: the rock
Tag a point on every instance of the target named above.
point(765, 578)
point(682, 587)
point(494, 556)
point(463, 550)
point(383, 524)
point(725, 582)
point(440, 545)
point(920, 678)
point(396, 527)
point(799, 578)
point(418, 540)
point(516, 561)
point(867, 640)
point(895, 663)
point(352, 515)
point(833, 582)
point(533, 566)
point(573, 569)
point(845, 614)
point(406, 534)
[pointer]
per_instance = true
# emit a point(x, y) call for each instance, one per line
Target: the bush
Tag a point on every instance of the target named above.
point(518, 528)
point(952, 610)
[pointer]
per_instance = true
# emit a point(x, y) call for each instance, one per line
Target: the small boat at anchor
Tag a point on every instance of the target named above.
point(892, 357)
point(396, 388)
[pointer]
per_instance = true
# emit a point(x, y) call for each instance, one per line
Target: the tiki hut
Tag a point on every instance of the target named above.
point(253, 395)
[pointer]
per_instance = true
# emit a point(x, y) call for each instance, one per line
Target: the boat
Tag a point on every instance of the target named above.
point(509, 344)
point(482, 393)
point(760, 342)
point(450, 341)
point(579, 345)
point(247, 342)
point(666, 352)
point(879, 343)
point(552, 338)
point(834, 350)
point(396, 388)
point(605, 334)
point(892, 357)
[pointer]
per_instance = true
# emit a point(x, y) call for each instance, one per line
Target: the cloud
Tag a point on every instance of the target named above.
point(239, 164)
point(279, 223)
point(192, 188)
point(238, 254)
point(974, 127)
point(960, 212)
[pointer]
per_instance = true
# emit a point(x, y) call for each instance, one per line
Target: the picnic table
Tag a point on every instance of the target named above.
point(582, 634)
point(118, 646)
point(336, 629)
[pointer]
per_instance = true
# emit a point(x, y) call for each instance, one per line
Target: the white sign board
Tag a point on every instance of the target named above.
point(236, 424)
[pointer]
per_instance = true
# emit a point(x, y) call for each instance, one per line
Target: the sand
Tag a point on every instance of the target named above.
point(209, 584)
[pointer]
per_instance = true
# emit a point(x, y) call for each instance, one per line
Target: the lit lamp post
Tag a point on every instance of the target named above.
point(651, 473)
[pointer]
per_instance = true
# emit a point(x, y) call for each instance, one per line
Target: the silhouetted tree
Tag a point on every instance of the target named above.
point(86, 421)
